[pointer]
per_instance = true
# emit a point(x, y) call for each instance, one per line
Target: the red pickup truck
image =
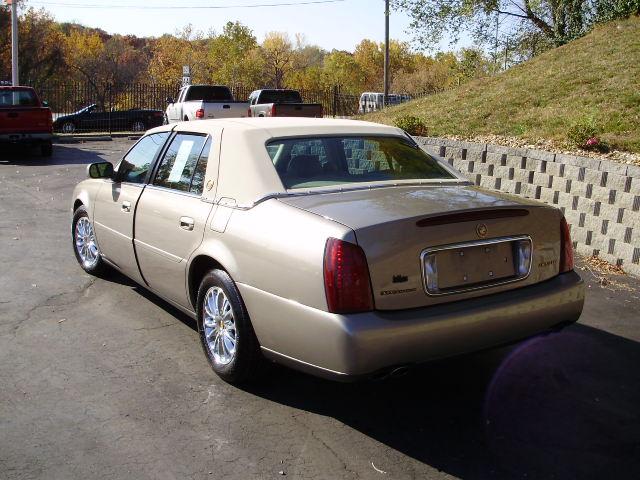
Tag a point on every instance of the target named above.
point(25, 119)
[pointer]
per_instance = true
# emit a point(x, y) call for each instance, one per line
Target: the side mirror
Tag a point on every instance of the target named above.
point(170, 100)
point(45, 104)
point(100, 170)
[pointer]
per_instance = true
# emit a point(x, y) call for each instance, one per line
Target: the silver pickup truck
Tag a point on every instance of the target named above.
point(202, 102)
point(281, 103)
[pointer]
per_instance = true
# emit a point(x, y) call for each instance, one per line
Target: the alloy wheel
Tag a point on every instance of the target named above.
point(219, 326)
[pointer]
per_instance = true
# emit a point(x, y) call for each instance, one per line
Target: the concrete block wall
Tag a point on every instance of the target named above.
point(600, 198)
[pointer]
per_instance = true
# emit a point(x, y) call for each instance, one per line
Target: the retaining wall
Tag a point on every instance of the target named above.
point(599, 198)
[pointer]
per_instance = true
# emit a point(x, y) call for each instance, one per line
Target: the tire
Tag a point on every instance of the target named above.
point(90, 258)
point(244, 360)
point(138, 126)
point(46, 149)
point(68, 127)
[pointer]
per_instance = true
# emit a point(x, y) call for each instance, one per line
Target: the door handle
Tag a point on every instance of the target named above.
point(126, 206)
point(186, 223)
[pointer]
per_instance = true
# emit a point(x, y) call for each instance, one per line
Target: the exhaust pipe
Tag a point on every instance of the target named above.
point(393, 373)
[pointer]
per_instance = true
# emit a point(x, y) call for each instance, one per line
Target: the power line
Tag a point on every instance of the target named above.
point(184, 7)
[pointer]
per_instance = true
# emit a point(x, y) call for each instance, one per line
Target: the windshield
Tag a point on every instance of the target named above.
point(325, 161)
point(208, 93)
point(279, 96)
point(18, 98)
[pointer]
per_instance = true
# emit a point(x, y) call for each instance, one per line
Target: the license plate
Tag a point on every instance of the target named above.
point(472, 265)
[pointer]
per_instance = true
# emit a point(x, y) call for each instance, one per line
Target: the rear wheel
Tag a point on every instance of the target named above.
point(225, 330)
point(85, 245)
point(46, 149)
point(68, 127)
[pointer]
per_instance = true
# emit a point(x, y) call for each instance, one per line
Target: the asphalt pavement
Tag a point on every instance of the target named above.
point(101, 379)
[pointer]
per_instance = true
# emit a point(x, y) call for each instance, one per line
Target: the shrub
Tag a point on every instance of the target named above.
point(585, 135)
point(412, 125)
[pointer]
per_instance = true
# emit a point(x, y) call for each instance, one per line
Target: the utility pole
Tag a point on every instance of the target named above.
point(386, 52)
point(14, 41)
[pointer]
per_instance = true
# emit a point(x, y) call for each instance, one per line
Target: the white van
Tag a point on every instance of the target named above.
point(372, 101)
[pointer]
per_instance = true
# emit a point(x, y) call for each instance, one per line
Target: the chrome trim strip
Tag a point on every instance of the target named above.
point(476, 243)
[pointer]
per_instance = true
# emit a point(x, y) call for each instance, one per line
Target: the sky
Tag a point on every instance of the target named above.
point(340, 24)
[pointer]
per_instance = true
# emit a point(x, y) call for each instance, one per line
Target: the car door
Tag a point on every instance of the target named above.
point(174, 112)
point(171, 215)
point(115, 204)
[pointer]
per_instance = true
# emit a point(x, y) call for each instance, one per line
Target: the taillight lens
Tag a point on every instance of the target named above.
point(200, 113)
point(249, 112)
point(273, 110)
point(346, 278)
point(566, 248)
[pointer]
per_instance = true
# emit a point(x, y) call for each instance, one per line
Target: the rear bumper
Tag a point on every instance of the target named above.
point(26, 137)
point(345, 346)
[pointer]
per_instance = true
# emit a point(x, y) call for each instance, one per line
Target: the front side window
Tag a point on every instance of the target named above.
point(180, 161)
point(136, 164)
point(326, 161)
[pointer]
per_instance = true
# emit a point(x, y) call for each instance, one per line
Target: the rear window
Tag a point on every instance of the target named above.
point(318, 162)
point(18, 98)
point(279, 96)
point(209, 94)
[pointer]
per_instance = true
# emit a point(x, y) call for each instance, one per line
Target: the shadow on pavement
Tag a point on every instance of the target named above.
point(558, 406)
point(565, 406)
point(62, 155)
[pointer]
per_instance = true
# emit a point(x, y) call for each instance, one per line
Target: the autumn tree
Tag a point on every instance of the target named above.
point(170, 53)
point(278, 54)
point(40, 48)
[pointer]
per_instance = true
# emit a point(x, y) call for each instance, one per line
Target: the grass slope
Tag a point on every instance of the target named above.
point(597, 76)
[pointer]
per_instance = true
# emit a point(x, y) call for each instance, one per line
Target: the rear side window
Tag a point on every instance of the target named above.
point(197, 182)
point(209, 94)
point(135, 165)
point(180, 162)
point(280, 96)
point(318, 162)
point(18, 98)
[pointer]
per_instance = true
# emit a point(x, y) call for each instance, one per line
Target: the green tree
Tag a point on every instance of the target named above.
point(557, 20)
point(234, 56)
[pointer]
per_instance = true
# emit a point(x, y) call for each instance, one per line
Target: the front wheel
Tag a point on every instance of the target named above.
point(138, 126)
point(225, 330)
point(85, 245)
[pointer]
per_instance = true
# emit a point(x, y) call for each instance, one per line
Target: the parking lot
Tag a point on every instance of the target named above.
point(101, 379)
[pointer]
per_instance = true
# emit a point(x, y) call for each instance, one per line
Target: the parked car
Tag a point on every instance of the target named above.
point(25, 119)
point(336, 247)
point(202, 102)
point(93, 118)
point(281, 103)
point(372, 101)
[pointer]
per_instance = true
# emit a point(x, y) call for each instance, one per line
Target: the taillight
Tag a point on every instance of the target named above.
point(249, 112)
point(566, 248)
point(273, 110)
point(346, 278)
point(200, 113)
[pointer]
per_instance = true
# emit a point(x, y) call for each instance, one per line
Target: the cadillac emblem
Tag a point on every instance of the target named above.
point(481, 230)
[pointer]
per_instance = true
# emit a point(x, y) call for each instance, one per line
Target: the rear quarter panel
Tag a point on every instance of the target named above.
point(275, 248)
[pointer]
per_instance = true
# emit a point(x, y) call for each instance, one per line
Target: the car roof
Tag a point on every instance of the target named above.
point(285, 126)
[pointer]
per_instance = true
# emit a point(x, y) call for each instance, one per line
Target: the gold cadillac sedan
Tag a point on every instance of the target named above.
point(336, 247)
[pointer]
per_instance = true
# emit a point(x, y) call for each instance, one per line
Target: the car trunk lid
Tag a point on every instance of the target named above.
point(473, 235)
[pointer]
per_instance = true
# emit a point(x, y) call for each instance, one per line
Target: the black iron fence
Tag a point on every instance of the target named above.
point(88, 107)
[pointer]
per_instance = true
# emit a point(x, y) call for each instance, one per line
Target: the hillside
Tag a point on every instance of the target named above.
point(595, 77)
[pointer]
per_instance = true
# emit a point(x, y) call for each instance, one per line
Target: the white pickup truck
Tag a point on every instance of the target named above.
point(202, 102)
